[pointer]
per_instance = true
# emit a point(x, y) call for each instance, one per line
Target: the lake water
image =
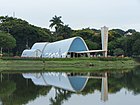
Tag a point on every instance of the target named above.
point(70, 88)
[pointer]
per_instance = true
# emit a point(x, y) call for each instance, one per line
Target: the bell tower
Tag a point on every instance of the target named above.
point(104, 38)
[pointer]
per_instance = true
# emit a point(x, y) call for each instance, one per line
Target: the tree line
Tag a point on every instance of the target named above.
point(17, 35)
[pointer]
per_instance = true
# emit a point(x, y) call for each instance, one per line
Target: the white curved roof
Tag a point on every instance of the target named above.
point(58, 49)
point(31, 53)
point(61, 48)
point(40, 45)
point(36, 50)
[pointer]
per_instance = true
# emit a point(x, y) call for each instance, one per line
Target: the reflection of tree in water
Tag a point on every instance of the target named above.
point(7, 88)
point(16, 90)
point(133, 81)
point(25, 90)
point(129, 80)
point(116, 81)
point(92, 85)
point(60, 96)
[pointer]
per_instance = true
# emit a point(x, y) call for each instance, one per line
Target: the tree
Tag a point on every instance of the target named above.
point(131, 31)
point(61, 31)
point(118, 52)
point(64, 31)
point(24, 33)
point(136, 47)
point(85, 34)
point(56, 22)
point(114, 33)
point(88, 34)
point(6, 41)
point(132, 44)
point(117, 43)
point(92, 37)
point(92, 45)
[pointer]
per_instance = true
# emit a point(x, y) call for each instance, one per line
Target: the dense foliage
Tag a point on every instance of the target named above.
point(121, 42)
point(24, 33)
point(7, 41)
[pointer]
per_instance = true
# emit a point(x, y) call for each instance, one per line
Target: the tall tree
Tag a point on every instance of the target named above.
point(56, 22)
point(6, 41)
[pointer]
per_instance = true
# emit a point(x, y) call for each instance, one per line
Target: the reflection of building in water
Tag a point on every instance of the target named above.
point(0, 102)
point(61, 80)
point(68, 81)
point(104, 88)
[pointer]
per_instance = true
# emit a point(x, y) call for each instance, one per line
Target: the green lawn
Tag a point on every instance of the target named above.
point(75, 64)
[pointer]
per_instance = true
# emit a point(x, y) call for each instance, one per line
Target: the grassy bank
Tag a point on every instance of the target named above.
point(71, 64)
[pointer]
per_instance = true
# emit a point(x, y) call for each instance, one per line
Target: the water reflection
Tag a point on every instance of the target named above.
point(68, 81)
point(104, 88)
point(60, 87)
point(60, 80)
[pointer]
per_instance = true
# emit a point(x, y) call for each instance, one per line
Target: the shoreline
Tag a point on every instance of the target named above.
point(66, 64)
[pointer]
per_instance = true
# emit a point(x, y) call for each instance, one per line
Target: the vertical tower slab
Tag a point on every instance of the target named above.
point(104, 38)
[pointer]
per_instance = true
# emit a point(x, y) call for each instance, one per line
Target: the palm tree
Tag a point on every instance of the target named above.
point(56, 22)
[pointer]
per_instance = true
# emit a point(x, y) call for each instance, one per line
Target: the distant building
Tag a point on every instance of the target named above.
point(59, 49)
point(72, 47)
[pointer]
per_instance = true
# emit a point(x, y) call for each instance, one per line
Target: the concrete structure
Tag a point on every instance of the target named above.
point(36, 50)
point(104, 38)
point(59, 49)
point(72, 47)
point(65, 48)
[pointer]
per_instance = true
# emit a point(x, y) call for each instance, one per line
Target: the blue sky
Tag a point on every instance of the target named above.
point(123, 14)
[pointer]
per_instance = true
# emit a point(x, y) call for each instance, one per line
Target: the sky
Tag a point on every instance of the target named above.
point(78, 14)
